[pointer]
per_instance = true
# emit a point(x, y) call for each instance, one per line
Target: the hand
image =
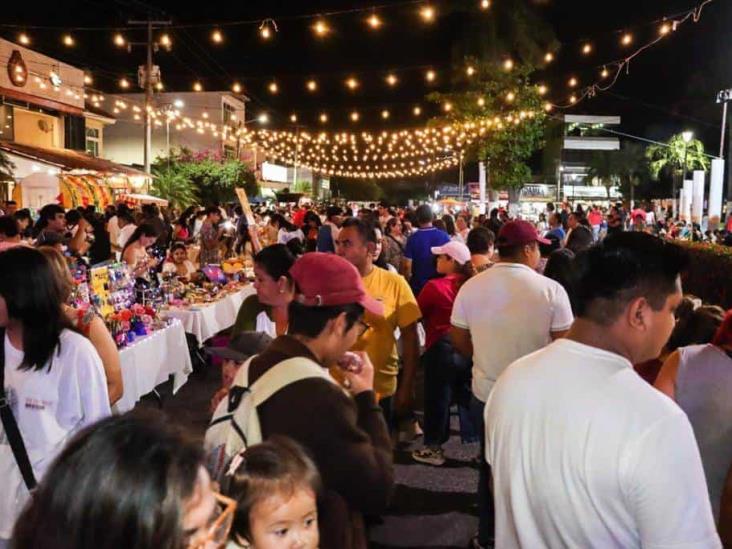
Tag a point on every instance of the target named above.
point(362, 381)
point(404, 399)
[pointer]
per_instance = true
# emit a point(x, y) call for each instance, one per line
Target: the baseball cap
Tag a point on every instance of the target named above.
point(325, 280)
point(459, 252)
point(242, 346)
point(518, 233)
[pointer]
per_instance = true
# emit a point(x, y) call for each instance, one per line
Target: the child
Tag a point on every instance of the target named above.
point(275, 485)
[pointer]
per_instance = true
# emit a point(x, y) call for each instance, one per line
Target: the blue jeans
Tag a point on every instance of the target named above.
point(486, 507)
point(447, 377)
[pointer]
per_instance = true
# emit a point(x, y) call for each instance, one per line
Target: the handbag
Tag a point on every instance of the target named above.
point(15, 439)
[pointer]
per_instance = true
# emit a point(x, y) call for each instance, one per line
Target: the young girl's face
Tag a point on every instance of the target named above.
point(285, 521)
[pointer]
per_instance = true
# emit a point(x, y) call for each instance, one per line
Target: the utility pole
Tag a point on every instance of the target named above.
point(146, 80)
point(462, 177)
point(724, 97)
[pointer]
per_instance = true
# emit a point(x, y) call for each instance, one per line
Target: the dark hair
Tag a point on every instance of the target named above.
point(312, 216)
point(276, 260)
point(278, 466)
point(60, 270)
point(364, 229)
point(212, 210)
point(424, 214)
point(559, 267)
point(185, 217)
point(554, 244)
point(11, 203)
point(8, 226)
point(449, 224)
point(46, 214)
point(123, 482)
point(310, 321)
point(126, 216)
point(73, 217)
point(624, 267)
point(333, 211)
point(281, 220)
point(23, 213)
point(178, 246)
point(440, 225)
point(390, 224)
point(145, 229)
point(579, 239)
point(480, 239)
point(697, 327)
point(150, 210)
point(33, 297)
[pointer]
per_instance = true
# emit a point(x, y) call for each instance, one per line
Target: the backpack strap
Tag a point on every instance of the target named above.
point(283, 374)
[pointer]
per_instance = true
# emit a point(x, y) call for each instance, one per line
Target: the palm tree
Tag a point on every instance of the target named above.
point(632, 166)
point(675, 158)
point(603, 167)
point(174, 187)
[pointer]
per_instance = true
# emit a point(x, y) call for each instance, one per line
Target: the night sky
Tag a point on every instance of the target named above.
point(670, 87)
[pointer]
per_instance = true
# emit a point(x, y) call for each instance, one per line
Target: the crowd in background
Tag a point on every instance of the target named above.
point(597, 391)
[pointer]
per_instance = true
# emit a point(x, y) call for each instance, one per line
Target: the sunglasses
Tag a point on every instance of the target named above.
point(217, 533)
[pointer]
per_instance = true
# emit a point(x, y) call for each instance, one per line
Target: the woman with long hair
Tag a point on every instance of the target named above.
point(53, 378)
point(286, 231)
point(177, 262)
point(266, 311)
point(447, 374)
point(128, 481)
point(135, 251)
point(394, 243)
point(182, 230)
point(89, 324)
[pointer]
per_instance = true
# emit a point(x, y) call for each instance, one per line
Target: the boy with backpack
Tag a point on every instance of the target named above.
point(287, 390)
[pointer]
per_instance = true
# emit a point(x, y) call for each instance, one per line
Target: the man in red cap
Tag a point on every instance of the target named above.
point(507, 312)
point(345, 434)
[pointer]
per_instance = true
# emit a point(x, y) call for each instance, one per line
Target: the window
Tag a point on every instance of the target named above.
point(92, 141)
point(7, 122)
point(229, 115)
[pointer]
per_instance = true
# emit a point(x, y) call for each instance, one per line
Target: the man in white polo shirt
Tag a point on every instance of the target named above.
point(499, 316)
point(584, 453)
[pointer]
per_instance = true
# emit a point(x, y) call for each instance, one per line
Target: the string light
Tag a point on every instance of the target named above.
point(197, 86)
point(392, 80)
point(205, 115)
point(355, 117)
point(373, 21)
point(573, 82)
point(68, 40)
point(447, 107)
point(430, 75)
point(217, 37)
point(165, 41)
point(548, 107)
point(549, 57)
point(385, 114)
point(236, 87)
point(417, 111)
point(481, 102)
point(312, 85)
point(124, 83)
point(542, 89)
point(321, 28)
point(119, 40)
point(604, 73)
point(263, 118)
point(273, 88)
point(88, 80)
point(665, 29)
point(293, 118)
point(508, 64)
point(323, 118)
point(485, 4)
point(627, 39)
point(470, 71)
point(159, 86)
point(427, 13)
point(24, 39)
point(587, 49)
point(510, 96)
point(572, 99)
point(352, 83)
point(266, 28)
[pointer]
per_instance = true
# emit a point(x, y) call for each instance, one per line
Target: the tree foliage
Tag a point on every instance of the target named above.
point(625, 168)
point(201, 178)
point(365, 190)
point(6, 167)
point(510, 97)
point(670, 158)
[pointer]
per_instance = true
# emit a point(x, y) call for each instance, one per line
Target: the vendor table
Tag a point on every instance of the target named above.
point(150, 361)
point(208, 319)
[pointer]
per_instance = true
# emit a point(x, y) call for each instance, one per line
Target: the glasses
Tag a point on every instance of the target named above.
point(363, 327)
point(217, 533)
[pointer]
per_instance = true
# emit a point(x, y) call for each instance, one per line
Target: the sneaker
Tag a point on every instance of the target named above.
point(430, 456)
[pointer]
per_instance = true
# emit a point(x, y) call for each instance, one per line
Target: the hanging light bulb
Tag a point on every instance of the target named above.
point(430, 75)
point(352, 83)
point(293, 118)
point(159, 86)
point(392, 80)
point(267, 29)
point(665, 29)
point(68, 40)
point(205, 114)
point(263, 118)
point(548, 107)
point(542, 89)
point(604, 73)
point(572, 99)
point(374, 22)
point(385, 114)
point(572, 82)
point(427, 13)
point(508, 64)
point(510, 96)
point(587, 49)
point(24, 39)
point(236, 87)
point(165, 41)
point(470, 71)
point(312, 85)
point(323, 118)
point(417, 111)
point(321, 28)
point(627, 39)
point(197, 86)
point(481, 102)
point(124, 83)
point(88, 80)
point(549, 57)
point(217, 37)
point(447, 106)
point(273, 88)
point(485, 4)
point(355, 117)
point(119, 40)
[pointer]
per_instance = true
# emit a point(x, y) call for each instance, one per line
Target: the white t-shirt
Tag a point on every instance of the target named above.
point(113, 228)
point(587, 454)
point(125, 233)
point(510, 310)
point(284, 236)
point(49, 406)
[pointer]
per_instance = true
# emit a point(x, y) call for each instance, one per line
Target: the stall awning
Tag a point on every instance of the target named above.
point(135, 199)
point(68, 160)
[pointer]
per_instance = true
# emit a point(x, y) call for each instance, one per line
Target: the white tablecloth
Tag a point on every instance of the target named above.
point(150, 360)
point(207, 320)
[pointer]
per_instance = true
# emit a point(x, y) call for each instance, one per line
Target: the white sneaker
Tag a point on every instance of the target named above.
point(431, 456)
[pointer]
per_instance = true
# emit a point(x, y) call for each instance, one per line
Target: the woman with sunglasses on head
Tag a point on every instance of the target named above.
point(51, 376)
point(129, 481)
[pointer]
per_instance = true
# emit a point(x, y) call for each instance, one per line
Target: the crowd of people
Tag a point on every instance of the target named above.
point(597, 390)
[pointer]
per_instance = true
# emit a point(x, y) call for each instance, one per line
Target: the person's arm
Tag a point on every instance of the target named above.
point(406, 268)
point(666, 380)
point(662, 479)
point(725, 513)
point(105, 346)
point(460, 338)
point(562, 317)
point(256, 245)
point(78, 242)
point(404, 397)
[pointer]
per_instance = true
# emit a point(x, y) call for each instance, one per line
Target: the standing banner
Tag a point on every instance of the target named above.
point(697, 197)
point(716, 185)
point(246, 208)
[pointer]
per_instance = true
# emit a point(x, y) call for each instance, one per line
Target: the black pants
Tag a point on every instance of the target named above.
point(486, 505)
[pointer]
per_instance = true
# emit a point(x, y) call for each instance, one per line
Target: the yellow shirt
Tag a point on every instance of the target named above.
point(400, 310)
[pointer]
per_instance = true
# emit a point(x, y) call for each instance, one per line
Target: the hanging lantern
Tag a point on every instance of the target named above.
point(17, 69)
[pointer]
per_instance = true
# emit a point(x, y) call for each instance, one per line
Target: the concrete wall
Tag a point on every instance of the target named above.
point(28, 129)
